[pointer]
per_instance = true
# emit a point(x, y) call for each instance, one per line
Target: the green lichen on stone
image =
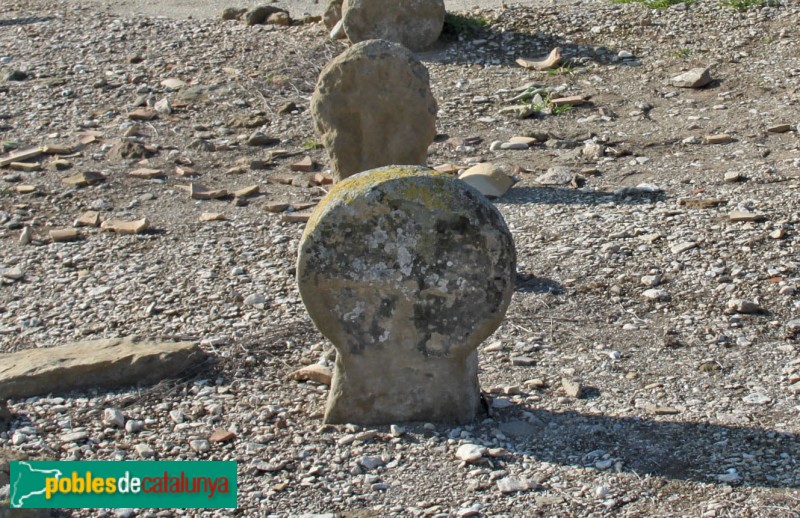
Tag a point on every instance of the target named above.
point(350, 189)
point(438, 192)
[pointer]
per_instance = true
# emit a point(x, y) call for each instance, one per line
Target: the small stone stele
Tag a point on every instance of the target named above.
point(373, 107)
point(406, 270)
point(415, 24)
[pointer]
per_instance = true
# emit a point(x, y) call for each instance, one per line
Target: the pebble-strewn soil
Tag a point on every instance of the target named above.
point(675, 324)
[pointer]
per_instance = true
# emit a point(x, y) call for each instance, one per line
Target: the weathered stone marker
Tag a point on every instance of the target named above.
point(415, 24)
point(406, 271)
point(373, 107)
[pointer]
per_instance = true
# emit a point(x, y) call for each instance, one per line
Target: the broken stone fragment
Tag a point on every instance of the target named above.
point(662, 410)
point(25, 189)
point(143, 114)
point(61, 165)
point(14, 274)
point(20, 156)
point(551, 61)
point(173, 83)
point(470, 453)
point(276, 206)
point(296, 216)
point(694, 78)
point(146, 173)
point(305, 165)
point(406, 344)
point(201, 192)
point(572, 388)
point(737, 216)
point(323, 179)
point(556, 175)
point(573, 100)
point(260, 139)
point(733, 177)
point(84, 179)
point(25, 166)
point(186, 171)
point(26, 236)
point(100, 363)
point(221, 435)
point(90, 218)
point(721, 138)
point(212, 216)
point(246, 192)
point(58, 149)
point(315, 372)
point(779, 128)
point(125, 227)
point(745, 307)
point(64, 235)
point(488, 179)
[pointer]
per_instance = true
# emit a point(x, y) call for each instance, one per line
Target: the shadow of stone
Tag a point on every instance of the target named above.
point(506, 38)
point(564, 196)
point(12, 22)
point(526, 282)
point(690, 451)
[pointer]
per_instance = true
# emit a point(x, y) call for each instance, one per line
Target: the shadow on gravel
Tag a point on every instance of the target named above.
point(475, 39)
point(563, 196)
point(24, 21)
point(526, 282)
point(698, 452)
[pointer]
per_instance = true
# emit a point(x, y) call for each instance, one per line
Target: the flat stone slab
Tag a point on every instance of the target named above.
point(107, 363)
point(406, 270)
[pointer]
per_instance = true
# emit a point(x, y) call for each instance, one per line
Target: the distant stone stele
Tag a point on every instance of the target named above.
point(415, 24)
point(406, 271)
point(373, 107)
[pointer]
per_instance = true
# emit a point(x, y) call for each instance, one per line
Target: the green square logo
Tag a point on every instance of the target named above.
point(117, 484)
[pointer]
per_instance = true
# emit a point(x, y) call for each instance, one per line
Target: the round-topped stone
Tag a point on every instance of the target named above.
point(372, 107)
point(406, 271)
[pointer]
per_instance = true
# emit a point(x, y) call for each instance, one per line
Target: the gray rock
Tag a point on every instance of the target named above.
point(373, 107)
point(405, 294)
point(694, 78)
point(655, 294)
point(99, 363)
point(415, 24)
point(261, 14)
point(113, 417)
point(371, 462)
point(255, 298)
point(470, 452)
point(556, 175)
point(745, 307)
point(512, 485)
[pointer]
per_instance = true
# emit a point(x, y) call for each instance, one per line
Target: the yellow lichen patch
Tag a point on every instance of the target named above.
point(350, 189)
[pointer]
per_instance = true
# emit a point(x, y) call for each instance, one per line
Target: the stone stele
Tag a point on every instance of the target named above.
point(406, 270)
point(415, 24)
point(373, 107)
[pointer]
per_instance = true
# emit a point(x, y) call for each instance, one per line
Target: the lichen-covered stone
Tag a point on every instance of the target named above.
point(373, 107)
point(406, 271)
point(415, 24)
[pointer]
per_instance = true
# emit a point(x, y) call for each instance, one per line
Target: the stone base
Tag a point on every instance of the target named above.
point(366, 390)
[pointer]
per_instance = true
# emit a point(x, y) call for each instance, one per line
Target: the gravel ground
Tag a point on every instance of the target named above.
point(674, 324)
